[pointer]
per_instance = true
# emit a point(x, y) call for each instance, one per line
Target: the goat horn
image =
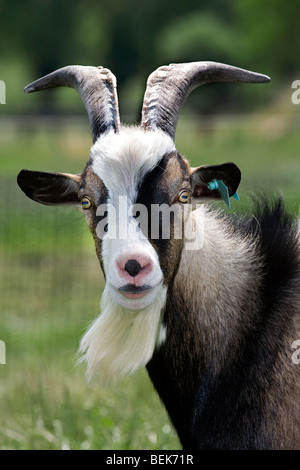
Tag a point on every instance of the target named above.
point(97, 87)
point(169, 86)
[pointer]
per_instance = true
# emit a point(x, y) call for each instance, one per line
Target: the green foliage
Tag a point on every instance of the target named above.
point(133, 38)
point(269, 35)
point(197, 36)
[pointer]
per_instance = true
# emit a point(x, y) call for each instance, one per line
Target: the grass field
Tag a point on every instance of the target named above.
point(50, 284)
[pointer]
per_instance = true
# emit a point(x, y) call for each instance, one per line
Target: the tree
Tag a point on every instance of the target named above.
point(269, 34)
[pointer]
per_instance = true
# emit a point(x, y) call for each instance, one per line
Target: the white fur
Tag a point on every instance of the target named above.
point(122, 160)
point(120, 341)
point(124, 336)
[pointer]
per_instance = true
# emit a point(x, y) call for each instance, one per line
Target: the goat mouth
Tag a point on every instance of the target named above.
point(132, 291)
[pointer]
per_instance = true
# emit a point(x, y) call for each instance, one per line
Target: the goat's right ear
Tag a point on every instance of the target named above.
point(49, 188)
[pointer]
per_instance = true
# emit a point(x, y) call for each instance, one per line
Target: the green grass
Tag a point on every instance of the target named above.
point(47, 303)
point(50, 287)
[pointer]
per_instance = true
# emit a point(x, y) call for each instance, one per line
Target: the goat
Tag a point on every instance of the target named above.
point(213, 325)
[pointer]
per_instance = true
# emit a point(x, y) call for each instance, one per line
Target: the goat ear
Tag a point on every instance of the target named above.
point(229, 173)
point(49, 188)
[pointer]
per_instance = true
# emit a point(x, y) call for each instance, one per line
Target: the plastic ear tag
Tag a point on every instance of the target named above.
point(222, 188)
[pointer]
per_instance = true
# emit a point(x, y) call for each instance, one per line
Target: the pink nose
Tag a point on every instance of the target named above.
point(134, 268)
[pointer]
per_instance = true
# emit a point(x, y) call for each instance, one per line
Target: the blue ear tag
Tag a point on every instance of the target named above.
point(223, 190)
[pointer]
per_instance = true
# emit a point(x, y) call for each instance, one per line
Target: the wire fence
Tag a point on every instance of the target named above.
point(48, 268)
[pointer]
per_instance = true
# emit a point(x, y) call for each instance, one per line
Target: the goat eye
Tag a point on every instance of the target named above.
point(183, 196)
point(85, 202)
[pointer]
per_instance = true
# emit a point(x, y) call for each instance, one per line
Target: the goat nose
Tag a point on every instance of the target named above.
point(133, 267)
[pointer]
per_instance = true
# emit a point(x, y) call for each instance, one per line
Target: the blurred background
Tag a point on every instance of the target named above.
point(50, 281)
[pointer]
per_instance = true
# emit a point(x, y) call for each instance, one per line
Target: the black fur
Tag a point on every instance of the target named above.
point(278, 241)
point(237, 406)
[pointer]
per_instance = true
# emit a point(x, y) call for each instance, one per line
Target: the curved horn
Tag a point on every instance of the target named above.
point(169, 86)
point(97, 87)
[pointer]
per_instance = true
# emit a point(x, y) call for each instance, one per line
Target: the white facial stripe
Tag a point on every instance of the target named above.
point(124, 336)
point(122, 160)
point(124, 241)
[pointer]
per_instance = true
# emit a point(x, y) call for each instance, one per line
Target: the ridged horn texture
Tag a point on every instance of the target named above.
point(97, 87)
point(169, 86)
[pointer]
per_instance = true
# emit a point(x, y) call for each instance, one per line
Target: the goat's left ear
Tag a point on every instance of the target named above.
point(49, 188)
point(229, 173)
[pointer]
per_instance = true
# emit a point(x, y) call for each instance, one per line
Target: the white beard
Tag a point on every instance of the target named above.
point(121, 340)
